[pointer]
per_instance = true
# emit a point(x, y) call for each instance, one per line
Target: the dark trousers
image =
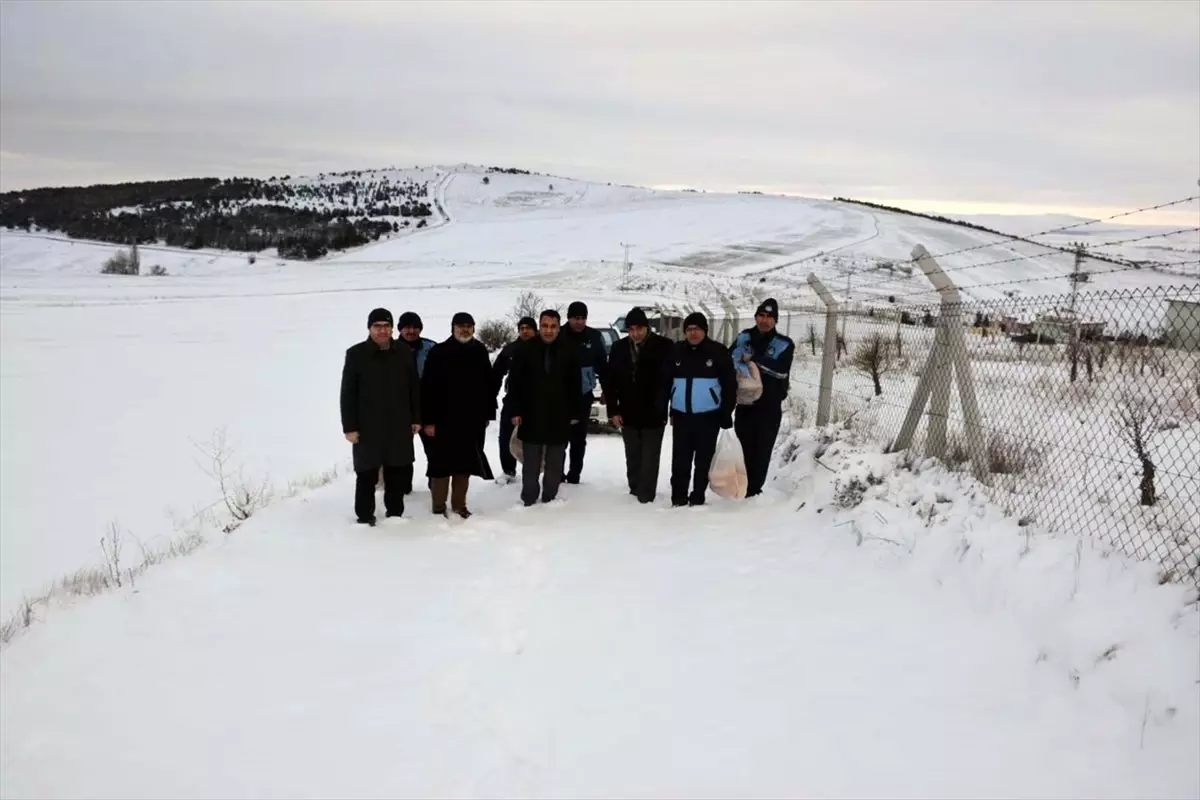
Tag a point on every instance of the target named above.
point(578, 442)
point(393, 491)
point(508, 464)
point(407, 478)
point(756, 427)
point(537, 456)
point(643, 450)
point(694, 441)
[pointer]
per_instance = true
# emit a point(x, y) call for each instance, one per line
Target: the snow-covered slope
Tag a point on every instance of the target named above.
point(598, 648)
point(593, 647)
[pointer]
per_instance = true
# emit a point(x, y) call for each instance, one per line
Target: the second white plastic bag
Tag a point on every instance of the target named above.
point(727, 475)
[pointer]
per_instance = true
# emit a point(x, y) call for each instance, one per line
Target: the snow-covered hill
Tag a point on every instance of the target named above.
point(914, 644)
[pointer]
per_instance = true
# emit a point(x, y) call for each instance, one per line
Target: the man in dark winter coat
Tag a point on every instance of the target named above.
point(544, 401)
point(459, 397)
point(410, 326)
point(757, 424)
point(381, 410)
point(526, 329)
point(593, 368)
point(703, 390)
point(637, 401)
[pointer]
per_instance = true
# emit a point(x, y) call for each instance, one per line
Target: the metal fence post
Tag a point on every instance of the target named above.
point(828, 348)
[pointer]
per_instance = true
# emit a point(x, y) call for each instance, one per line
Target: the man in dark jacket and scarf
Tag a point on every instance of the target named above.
point(757, 424)
point(637, 401)
point(703, 391)
point(526, 329)
point(544, 402)
point(381, 410)
point(410, 326)
point(593, 372)
point(459, 396)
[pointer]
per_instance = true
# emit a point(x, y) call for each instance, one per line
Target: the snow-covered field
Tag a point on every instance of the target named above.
point(590, 648)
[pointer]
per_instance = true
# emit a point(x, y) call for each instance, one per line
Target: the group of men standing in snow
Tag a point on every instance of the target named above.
point(446, 394)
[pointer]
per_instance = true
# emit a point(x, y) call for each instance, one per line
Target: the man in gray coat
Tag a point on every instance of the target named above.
point(381, 412)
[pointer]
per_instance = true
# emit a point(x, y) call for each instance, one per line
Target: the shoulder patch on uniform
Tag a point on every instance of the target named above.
point(708, 363)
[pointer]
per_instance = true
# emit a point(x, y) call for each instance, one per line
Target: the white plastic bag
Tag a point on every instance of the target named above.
point(749, 385)
point(727, 475)
point(516, 446)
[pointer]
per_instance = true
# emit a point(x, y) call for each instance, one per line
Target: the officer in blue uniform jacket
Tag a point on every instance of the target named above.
point(593, 361)
point(702, 388)
point(758, 424)
point(410, 326)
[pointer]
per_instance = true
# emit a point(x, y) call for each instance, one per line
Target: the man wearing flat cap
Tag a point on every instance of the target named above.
point(757, 424)
point(458, 393)
point(527, 328)
point(381, 411)
point(637, 401)
point(410, 327)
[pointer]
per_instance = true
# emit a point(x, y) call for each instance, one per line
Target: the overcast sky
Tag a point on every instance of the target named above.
point(1026, 105)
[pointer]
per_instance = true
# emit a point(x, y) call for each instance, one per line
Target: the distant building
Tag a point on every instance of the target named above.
point(1183, 324)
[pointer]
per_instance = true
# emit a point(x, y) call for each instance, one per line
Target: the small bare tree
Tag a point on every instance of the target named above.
point(240, 496)
point(495, 333)
point(874, 357)
point(1138, 418)
point(529, 304)
point(812, 337)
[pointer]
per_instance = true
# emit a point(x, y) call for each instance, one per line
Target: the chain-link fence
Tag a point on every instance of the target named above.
point(1079, 413)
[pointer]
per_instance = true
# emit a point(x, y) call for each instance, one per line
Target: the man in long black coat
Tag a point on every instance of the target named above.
point(458, 394)
point(543, 398)
point(381, 411)
point(637, 401)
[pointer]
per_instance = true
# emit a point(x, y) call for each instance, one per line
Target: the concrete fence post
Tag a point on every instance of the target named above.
point(828, 348)
point(947, 360)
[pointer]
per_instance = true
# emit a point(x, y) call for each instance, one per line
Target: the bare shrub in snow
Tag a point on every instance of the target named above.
point(241, 496)
point(110, 545)
point(495, 333)
point(120, 264)
point(158, 271)
point(1138, 418)
point(528, 304)
point(1012, 456)
point(874, 357)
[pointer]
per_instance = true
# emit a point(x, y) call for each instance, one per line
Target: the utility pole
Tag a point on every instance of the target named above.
point(849, 275)
point(626, 266)
point(1077, 277)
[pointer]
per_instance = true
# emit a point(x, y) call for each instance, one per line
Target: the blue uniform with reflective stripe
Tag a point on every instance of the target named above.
point(701, 379)
point(773, 354)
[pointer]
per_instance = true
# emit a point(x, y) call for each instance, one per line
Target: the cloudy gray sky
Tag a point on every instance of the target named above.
point(1024, 105)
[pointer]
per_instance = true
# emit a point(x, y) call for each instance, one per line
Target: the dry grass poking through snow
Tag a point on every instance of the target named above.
point(240, 497)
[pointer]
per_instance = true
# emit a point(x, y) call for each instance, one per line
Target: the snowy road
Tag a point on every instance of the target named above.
point(592, 648)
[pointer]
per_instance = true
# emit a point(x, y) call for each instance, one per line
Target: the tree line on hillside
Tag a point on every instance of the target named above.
point(244, 214)
point(965, 224)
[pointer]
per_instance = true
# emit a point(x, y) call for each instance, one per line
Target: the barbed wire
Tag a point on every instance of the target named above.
point(1013, 259)
point(1061, 229)
point(1041, 279)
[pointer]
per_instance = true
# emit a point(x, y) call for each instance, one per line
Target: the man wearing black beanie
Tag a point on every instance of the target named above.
point(381, 410)
point(702, 392)
point(758, 423)
point(593, 362)
point(526, 329)
point(410, 327)
point(637, 401)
